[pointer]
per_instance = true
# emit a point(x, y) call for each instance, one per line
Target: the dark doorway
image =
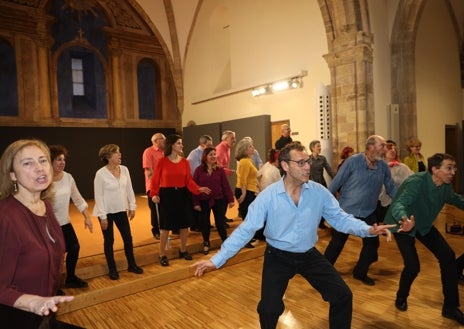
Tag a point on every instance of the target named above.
point(453, 144)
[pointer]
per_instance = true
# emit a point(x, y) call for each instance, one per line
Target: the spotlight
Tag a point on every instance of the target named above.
point(280, 85)
point(295, 81)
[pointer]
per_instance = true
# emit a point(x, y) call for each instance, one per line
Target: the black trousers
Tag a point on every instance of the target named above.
point(460, 264)
point(153, 216)
point(243, 207)
point(219, 209)
point(446, 257)
point(367, 256)
point(280, 266)
point(122, 223)
point(13, 318)
point(72, 249)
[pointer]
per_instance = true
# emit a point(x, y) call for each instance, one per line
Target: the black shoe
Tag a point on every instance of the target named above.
point(135, 269)
point(113, 274)
point(206, 248)
point(75, 282)
point(453, 314)
point(164, 261)
point(157, 236)
point(401, 304)
point(185, 255)
point(249, 245)
point(366, 280)
point(229, 220)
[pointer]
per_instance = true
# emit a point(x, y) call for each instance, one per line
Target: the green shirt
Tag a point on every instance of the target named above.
point(419, 196)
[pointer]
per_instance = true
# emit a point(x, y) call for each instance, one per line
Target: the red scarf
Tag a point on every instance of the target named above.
point(393, 163)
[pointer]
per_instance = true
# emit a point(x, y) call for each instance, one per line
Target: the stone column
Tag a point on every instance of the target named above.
point(350, 64)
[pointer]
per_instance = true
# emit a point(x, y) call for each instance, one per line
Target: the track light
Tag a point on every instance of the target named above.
point(281, 85)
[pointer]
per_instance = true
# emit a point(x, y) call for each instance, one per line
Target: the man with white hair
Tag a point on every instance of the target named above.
point(150, 157)
point(358, 184)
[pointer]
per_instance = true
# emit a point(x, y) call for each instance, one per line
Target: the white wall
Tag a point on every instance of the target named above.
point(438, 81)
point(257, 41)
point(381, 15)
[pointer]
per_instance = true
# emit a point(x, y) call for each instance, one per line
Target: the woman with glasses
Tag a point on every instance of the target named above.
point(415, 160)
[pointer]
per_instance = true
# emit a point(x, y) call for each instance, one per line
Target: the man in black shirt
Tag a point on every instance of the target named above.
point(284, 138)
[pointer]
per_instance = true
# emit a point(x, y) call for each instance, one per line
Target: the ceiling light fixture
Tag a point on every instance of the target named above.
point(280, 85)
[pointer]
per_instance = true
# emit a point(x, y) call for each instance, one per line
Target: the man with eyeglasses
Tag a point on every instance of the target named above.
point(358, 184)
point(290, 211)
point(423, 195)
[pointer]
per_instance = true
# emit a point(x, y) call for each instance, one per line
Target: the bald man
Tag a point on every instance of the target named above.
point(285, 138)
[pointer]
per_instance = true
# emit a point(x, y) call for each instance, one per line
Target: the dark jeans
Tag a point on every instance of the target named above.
point(72, 249)
point(446, 257)
point(219, 209)
point(367, 256)
point(280, 266)
point(122, 223)
point(153, 216)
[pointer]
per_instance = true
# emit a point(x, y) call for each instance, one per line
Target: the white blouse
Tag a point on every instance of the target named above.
point(112, 195)
point(65, 190)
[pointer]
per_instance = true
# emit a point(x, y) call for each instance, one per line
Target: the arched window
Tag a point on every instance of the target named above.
point(148, 89)
point(8, 81)
point(81, 84)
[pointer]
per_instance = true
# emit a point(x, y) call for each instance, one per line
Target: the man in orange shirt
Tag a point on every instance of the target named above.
point(150, 157)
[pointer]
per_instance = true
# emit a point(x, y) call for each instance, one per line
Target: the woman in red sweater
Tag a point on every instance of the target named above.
point(170, 186)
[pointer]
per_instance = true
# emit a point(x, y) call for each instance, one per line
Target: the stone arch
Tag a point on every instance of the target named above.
point(349, 59)
point(403, 80)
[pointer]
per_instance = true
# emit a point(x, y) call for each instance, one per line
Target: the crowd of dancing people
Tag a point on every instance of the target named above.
point(283, 201)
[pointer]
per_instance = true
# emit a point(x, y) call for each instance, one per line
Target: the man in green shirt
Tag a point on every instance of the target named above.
point(422, 196)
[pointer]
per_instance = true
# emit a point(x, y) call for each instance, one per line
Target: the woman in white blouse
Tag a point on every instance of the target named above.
point(65, 189)
point(115, 203)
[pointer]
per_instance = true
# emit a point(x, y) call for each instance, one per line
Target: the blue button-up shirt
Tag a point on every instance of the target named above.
point(194, 158)
point(288, 226)
point(359, 186)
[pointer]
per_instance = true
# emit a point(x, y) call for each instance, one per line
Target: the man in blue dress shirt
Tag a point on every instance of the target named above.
point(290, 211)
point(359, 182)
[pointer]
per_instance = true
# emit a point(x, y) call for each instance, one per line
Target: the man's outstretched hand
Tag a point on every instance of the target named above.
point(406, 224)
point(203, 266)
point(382, 229)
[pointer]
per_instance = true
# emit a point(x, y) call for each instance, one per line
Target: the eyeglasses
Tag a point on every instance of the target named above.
point(301, 163)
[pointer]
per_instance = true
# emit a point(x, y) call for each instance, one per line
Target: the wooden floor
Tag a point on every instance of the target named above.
point(227, 298)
